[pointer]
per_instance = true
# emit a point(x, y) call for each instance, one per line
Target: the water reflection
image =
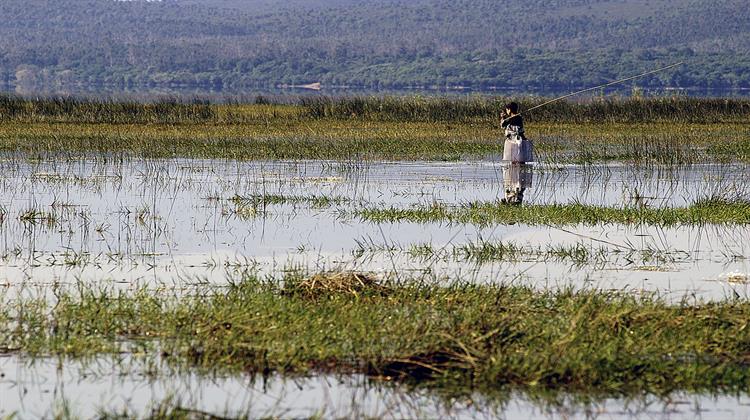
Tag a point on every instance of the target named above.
point(127, 388)
point(516, 179)
point(164, 221)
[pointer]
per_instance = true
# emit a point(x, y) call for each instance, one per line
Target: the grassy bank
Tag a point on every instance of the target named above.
point(484, 213)
point(394, 129)
point(457, 338)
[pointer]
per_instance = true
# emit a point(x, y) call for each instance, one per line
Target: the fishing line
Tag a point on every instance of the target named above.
point(616, 82)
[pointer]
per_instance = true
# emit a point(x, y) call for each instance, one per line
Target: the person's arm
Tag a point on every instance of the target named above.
point(505, 120)
point(511, 120)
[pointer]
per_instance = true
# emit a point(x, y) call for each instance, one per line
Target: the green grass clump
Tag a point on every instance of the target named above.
point(458, 338)
point(484, 251)
point(485, 213)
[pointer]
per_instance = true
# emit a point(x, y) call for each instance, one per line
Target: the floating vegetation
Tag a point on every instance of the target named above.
point(737, 277)
point(484, 251)
point(263, 200)
point(578, 253)
point(251, 206)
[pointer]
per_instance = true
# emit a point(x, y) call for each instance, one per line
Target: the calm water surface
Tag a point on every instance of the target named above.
point(45, 388)
point(175, 221)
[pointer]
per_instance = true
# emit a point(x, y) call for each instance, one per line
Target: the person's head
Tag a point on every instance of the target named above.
point(511, 108)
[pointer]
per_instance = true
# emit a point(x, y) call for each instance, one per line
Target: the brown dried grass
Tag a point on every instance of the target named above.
point(350, 284)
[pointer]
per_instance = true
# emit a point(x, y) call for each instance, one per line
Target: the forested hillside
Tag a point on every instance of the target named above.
point(235, 44)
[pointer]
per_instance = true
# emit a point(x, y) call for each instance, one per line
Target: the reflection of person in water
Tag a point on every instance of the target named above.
point(518, 149)
point(516, 179)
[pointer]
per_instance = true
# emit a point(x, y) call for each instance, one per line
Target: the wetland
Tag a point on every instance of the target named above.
point(355, 257)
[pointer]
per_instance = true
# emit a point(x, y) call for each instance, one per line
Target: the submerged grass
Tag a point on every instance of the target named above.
point(64, 109)
point(458, 337)
point(673, 130)
point(263, 200)
point(482, 252)
point(485, 213)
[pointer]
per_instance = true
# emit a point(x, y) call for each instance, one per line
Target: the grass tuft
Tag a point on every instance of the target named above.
point(324, 285)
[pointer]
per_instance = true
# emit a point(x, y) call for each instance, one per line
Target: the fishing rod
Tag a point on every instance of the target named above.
point(604, 85)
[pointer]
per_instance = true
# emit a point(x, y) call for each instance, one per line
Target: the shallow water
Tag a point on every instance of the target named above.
point(44, 388)
point(173, 222)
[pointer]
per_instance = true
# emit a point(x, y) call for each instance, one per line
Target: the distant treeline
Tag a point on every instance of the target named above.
point(396, 109)
point(227, 45)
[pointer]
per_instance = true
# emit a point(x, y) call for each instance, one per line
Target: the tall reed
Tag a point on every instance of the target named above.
point(426, 109)
point(64, 109)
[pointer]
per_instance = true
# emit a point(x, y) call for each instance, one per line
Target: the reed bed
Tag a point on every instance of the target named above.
point(355, 129)
point(459, 338)
point(719, 212)
point(598, 110)
point(88, 111)
point(400, 109)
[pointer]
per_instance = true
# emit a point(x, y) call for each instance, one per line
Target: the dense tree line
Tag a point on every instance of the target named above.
point(232, 44)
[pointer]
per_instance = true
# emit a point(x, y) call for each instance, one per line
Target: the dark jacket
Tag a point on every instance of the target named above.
point(513, 126)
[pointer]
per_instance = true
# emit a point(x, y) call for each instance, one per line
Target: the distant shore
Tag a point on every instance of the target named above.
point(286, 92)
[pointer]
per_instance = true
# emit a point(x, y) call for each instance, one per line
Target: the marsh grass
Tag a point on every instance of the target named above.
point(579, 254)
point(484, 251)
point(169, 409)
point(599, 110)
point(86, 111)
point(673, 130)
point(255, 205)
point(262, 200)
point(37, 216)
point(396, 109)
point(738, 198)
point(459, 338)
point(486, 213)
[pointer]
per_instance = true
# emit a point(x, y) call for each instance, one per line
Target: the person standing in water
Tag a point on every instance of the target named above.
point(518, 149)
